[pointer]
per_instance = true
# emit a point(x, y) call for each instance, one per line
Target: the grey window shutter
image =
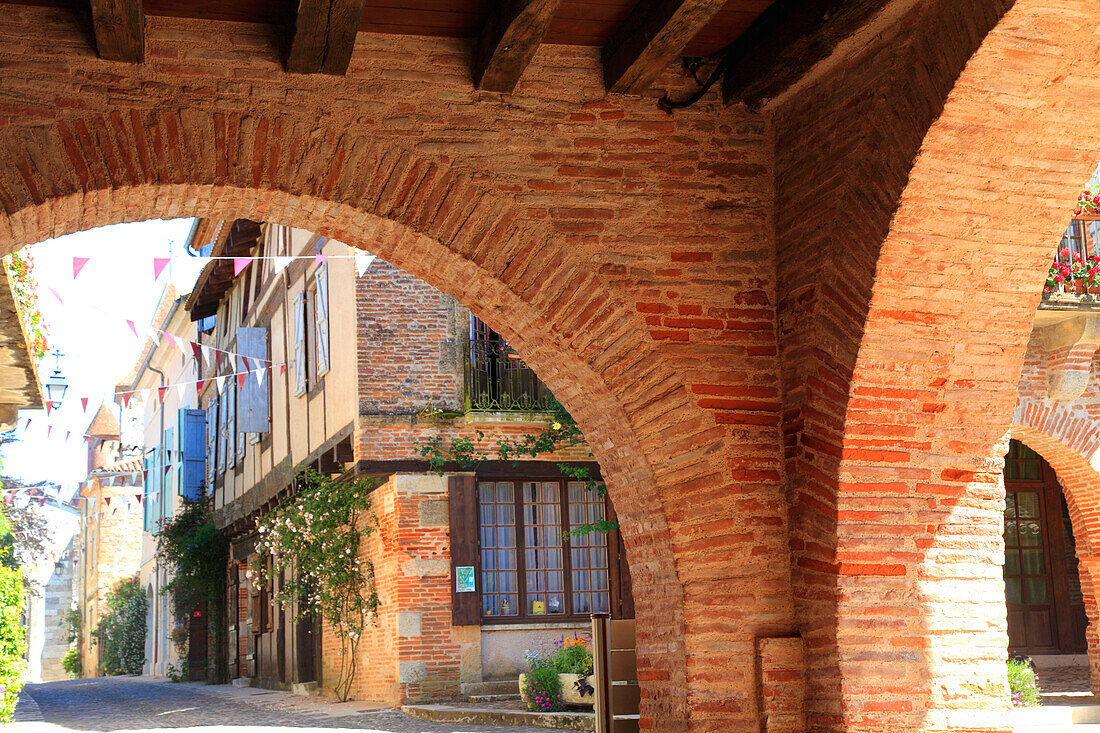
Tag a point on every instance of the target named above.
point(299, 344)
point(231, 423)
point(253, 415)
point(223, 414)
point(240, 441)
point(211, 442)
point(321, 314)
point(148, 476)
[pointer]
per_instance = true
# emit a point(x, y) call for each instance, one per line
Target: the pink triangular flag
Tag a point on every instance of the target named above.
point(49, 429)
point(42, 501)
point(321, 257)
point(132, 325)
point(56, 295)
point(159, 263)
point(239, 263)
point(78, 265)
point(67, 435)
point(84, 403)
point(27, 424)
point(171, 339)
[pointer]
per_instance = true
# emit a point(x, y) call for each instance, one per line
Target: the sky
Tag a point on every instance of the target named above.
point(89, 327)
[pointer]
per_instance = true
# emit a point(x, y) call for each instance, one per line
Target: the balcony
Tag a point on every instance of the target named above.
point(496, 378)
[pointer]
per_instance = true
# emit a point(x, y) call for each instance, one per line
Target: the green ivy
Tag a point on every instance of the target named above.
point(561, 432)
point(13, 644)
point(121, 632)
point(196, 553)
point(312, 542)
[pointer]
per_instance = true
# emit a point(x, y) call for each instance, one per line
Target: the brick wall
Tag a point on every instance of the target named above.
point(822, 306)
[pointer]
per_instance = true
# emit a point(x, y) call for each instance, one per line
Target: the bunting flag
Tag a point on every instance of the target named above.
point(196, 349)
point(56, 295)
point(49, 407)
point(78, 265)
point(321, 257)
point(161, 391)
point(27, 424)
point(199, 385)
point(362, 264)
point(239, 263)
point(260, 375)
point(67, 435)
point(126, 398)
point(84, 404)
point(49, 429)
point(42, 501)
point(220, 382)
point(154, 334)
point(280, 263)
point(139, 498)
point(207, 354)
point(240, 379)
point(159, 263)
point(107, 500)
point(133, 327)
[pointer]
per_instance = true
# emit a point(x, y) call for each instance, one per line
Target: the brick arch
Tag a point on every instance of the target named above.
point(1071, 445)
point(956, 279)
point(437, 224)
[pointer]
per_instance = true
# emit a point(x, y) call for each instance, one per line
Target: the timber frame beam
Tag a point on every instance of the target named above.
point(119, 27)
point(649, 39)
point(508, 42)
point(322, 36)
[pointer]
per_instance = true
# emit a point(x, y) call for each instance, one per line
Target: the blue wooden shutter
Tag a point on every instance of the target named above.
point(299, 344)
point(193, 448)
point(147, 475)
point(253, 412)
point(321, 315)
point(223, 438)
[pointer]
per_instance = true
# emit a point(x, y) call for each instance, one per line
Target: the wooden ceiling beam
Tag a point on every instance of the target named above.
point(119, 27)
point(650, 38)
point(785, 42)
point(508, 42)
point(322, 36)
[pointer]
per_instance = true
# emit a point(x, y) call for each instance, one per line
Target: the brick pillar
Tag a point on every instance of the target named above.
point(1089, 571)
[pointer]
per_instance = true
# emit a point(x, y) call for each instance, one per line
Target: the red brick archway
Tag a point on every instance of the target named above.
point(633, 258)
point(956, 283)
point(1070, 443)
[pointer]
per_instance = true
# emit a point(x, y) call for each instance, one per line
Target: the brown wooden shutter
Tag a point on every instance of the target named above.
point(462, 503)
point(622, 595)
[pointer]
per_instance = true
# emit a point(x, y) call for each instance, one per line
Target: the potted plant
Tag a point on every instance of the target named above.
point(558, 676)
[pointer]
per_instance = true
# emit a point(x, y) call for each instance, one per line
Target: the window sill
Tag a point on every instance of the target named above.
point(521, 625)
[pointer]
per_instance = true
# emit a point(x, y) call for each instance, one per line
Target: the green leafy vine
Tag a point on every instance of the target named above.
point(312, 543)
point(561, 432)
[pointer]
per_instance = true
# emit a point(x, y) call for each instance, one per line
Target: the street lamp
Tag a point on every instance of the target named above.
point(56, 385)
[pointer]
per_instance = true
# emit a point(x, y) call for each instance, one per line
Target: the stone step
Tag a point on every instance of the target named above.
point(493, 698)
point(498, 687)
point(471, 715)
point(1052, 718)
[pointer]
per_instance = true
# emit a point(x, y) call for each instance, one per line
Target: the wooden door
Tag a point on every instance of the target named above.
point(306, 633)
point(197, 644)
point(1042, 588)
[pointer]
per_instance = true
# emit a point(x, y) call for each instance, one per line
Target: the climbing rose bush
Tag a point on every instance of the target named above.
point(13, 643)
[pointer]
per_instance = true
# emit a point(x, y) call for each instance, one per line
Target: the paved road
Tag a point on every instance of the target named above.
point(137, 703)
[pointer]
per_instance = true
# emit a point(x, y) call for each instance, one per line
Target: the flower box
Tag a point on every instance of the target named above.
point(570, 695)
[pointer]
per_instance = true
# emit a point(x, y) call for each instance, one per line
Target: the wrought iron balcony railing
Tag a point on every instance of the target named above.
point(497, 379)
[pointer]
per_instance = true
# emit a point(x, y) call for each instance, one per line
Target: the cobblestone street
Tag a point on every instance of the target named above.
point(134, 704)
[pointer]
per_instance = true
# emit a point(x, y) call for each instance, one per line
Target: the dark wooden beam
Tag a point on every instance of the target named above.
point(119, 30)
point(322, 36)
point(786, 41)
point(650, 38)
point(508, 42)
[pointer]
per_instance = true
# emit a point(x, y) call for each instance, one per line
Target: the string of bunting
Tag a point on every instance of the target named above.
point(280, 262)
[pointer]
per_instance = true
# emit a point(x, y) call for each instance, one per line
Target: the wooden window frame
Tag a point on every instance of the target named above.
point(614, 581)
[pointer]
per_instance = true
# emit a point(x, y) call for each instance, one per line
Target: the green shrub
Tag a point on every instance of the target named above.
point(72, 663)
point(541, 691)
point(121, 632)
point(1023, 683)
point(13, 644)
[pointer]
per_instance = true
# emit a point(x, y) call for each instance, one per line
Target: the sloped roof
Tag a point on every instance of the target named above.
point(104, 424)
point(123, 465)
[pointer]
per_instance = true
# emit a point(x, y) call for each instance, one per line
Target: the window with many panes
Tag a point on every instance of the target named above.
point(529, 568)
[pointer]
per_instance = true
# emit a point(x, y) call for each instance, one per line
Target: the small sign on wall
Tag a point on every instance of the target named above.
point(464, 579)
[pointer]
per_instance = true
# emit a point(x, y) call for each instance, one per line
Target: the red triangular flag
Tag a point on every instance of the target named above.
point(42, 501)
point(240, 379)
point(84, 403)
point(239, 263)
point(126, 398)
point(198, 385)
point(282, 370)
point(159, 263)
point(244, 361)
point(27, 424)
point(67, 435)
point(78, 265)
point(49, 429)
point(197, 350)
point(139, 498)
point(161, 391)
point(49, 407)
point(167, 468)
point(107, 500)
